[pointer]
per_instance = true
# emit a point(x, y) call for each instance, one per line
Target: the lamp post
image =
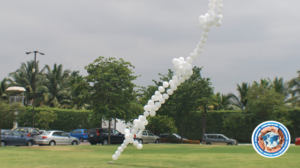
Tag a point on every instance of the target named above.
point(33, 70)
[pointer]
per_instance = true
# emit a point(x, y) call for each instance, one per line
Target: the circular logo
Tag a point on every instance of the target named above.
point(271, 139)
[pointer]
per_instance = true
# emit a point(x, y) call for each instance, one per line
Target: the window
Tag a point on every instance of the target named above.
point(150, 133)
point(144, 133)
point(17, 134)
point(165, 136)
point(56, 134)
point(74, 132)
point(64, 134)
point(93, 131)
point(115, 132)
point(22, 130)
point(33, 130)
point(221, 137)
point(79, 131)
point(214, 136)
point(85, 131)
point(7, 133)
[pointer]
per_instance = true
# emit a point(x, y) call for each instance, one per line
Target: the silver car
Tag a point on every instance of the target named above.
point(146, 137)
point(218, 139)
point(56, 138)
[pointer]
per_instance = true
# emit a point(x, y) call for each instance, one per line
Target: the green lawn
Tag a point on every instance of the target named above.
point(152, 155)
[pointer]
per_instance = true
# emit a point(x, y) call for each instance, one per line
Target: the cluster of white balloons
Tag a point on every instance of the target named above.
point(183, 68)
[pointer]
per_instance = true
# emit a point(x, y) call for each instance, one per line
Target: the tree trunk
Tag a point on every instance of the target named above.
point(204, 122)
point(109, 131)
point(181, 125)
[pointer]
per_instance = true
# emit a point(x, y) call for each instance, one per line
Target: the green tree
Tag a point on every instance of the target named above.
point(294, 91)
point(222, 102)
point(46, 117)
point(161, 124)
point(3, 87)
point(194, 92)
point(7, 113)
point(241, 100)
point(112, 90)
point(265, 104)
point(58, 88)
point(24, 77)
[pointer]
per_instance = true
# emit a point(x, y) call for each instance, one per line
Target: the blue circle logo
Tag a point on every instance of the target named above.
point(271, 139)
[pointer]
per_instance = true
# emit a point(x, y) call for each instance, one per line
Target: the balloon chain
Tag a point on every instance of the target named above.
point(183, 72)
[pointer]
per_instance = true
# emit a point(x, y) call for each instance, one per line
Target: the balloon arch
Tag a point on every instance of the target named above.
point(183, 69)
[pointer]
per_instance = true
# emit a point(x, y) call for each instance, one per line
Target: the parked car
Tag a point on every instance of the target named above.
point(14, 138)
point(100, 135)
point(297, 141)
point(56, 138)
point(27, 131)
point(81, 134)
point(146, 137)
point(171, 136)
point(42, 131)
point(218, 139)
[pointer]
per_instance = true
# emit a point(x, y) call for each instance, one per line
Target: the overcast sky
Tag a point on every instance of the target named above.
point(257, 39)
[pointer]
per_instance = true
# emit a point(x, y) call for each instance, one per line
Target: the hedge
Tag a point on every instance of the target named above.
point(170, 140)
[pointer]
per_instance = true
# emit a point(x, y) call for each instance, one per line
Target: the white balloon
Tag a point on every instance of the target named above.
point(142, 118)
point(170, 92)
point(158, 104)
point(203, 40)
point(120, 149)
point(123, 146)
point(218, 1)
point(139, 146)
point(126, 131)
point(206, 29)
point(200, 45)
point(146, 108)
point(201, 25)
point(180, 68)
point(114, 157)
point(171, 82)
point(135, 143)
point(218, 12)
point(135, 121)
point(150, 102)
point(130, 140)
point(157, 93)
point(152, 113)
point(188, 60)
point(153, 98)
point(133, 131)
point(199, 50)
point(125, 141)
point(174, 87)
point(136, 126)
point(146, 113)
point(175, 61)
point(156, 108)
point(218, 23)
point(126, 136)
point(196, 51)
point(192, 55)
point(204, 34)
point(212, 1)
point(202, 18)
point(211, 6)
point(177, 83)
point(181, 79)
point(166, 96)
point(190, 73)
point(178, 73)
point(165, 84)
point(153, 108)
point(211, 14)
point(117, 153)
point(162, 100)
point(161, 89)
point(221, 16)
point(211, 21)
point(175, 78)
point(145, 122)
point(181, 59)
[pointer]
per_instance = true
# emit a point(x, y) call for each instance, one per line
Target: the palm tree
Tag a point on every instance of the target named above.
point(241, 101)
point(3, 87)
point(222, 102)
point(58, 87)
point(24, 77)
point(294, 90)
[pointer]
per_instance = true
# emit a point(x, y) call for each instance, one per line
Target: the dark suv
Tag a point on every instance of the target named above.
point(27, 131)
point(100, 135)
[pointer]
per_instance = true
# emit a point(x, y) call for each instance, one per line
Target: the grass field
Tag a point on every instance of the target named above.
point(152, 155)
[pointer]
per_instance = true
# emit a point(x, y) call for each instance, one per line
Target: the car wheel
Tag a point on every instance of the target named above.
point(157, 141)
point(208, 143)
point(81, 139)
point(52, 143)
point(3, 143)
point(74, 143)
point(105, 142)
point(229, 144)
point(29, 143)
point(140, 141)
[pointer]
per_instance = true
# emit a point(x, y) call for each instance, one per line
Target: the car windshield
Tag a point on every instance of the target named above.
point(33, 130)
point(177, 136)
point(225, 136)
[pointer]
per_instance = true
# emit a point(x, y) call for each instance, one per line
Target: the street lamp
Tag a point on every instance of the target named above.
point(33, 70)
